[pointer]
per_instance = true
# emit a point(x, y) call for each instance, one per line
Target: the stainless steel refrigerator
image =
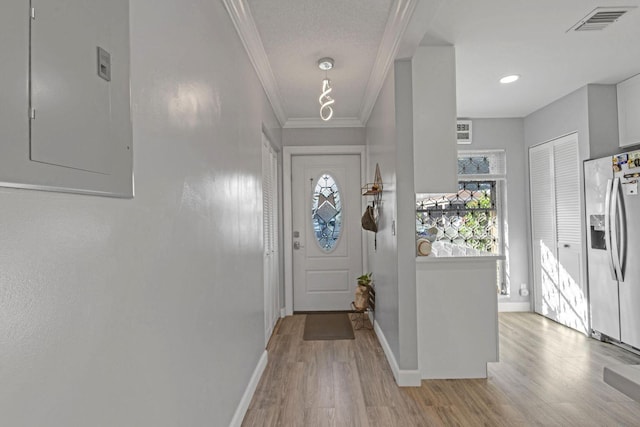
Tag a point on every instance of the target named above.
point(613, 246)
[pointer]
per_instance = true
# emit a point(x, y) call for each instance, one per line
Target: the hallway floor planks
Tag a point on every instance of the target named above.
point(548, 375)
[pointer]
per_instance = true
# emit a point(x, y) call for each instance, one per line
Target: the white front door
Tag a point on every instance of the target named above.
point(326, 233)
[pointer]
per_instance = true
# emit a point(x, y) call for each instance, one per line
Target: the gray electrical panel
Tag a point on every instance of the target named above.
point(68, 126)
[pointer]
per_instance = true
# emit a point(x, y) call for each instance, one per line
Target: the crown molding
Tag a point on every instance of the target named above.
point(315, 122)
point(396, 26)
point(247, 31)
point(394, 31)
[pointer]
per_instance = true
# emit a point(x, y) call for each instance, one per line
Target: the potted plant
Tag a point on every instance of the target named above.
point(362, 292)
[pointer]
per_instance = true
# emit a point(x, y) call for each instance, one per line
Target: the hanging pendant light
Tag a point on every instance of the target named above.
point(326, 111)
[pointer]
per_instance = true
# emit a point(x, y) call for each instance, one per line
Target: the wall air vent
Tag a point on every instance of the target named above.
point(463, 131)
point(600, 18)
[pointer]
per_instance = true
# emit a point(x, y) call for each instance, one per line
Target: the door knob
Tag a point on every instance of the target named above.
point(297, 245)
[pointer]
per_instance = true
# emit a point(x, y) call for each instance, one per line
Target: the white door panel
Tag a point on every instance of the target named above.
point(327, 281)
point(573, 305)
point(543, 230)
point(573, 310)
point(326, 260)
point(270, 233)
point(559, 289)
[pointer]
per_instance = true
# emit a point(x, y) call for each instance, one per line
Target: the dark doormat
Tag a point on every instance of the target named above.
point(327, 326)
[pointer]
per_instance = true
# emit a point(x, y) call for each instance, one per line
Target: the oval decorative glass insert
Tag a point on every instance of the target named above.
point(326, 212)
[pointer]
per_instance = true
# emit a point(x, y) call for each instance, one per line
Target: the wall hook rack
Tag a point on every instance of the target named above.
point(374, 190)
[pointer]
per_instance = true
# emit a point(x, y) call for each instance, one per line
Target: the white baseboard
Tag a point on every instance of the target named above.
point(403, 377)
point(282, 313)
point(241, 410)
point(514, 306)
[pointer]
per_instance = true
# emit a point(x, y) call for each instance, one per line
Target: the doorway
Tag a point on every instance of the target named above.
point(560, 293)
point(323, 240)
point(270, 261)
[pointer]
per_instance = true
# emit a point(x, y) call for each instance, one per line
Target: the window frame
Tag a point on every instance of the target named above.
point(497, 174)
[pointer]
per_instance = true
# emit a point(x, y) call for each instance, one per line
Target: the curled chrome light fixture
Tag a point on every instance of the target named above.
point(326, 112)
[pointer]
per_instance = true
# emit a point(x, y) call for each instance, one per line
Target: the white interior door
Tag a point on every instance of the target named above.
point(270, 232)
point(559, 289)
point(327, 244)
point(573, 310)
point(543, 230)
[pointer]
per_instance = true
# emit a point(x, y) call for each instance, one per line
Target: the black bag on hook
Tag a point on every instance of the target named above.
point(368, 220)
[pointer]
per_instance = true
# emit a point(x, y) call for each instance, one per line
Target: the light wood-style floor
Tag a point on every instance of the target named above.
point(548, 375)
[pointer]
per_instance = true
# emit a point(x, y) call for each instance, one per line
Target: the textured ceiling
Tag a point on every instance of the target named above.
point(492, 38)
point(296, 33)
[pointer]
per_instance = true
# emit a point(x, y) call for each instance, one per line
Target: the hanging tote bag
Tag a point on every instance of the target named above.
point(368, 220)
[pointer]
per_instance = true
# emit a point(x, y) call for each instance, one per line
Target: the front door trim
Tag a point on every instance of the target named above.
point(287, 153)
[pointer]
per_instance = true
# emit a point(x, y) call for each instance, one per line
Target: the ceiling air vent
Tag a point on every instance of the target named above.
point(600, 18)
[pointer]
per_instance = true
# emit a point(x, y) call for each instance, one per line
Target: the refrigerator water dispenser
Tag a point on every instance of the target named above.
point(596, 225)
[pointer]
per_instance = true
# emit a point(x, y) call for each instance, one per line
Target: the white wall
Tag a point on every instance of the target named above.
point(406, 215)
point(323, 136)
point(603, 121)
point(390, 144)
point(563, 116)
point(383, 262)
point(508, 134)
point(591, 111)
point(147, 312)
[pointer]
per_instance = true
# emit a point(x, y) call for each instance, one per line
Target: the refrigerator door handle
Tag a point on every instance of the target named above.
point(623, 228)
point(615, 219)
point(607, 229)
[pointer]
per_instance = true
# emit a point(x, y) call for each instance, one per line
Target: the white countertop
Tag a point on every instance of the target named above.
point(430, 258)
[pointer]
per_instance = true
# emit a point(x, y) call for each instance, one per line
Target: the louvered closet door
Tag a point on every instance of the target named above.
point(543, 230)
point(559, 290)
point(572, 289)
point(270, 233)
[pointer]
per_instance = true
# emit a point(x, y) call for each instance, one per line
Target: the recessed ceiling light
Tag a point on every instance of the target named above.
point(509, 79)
